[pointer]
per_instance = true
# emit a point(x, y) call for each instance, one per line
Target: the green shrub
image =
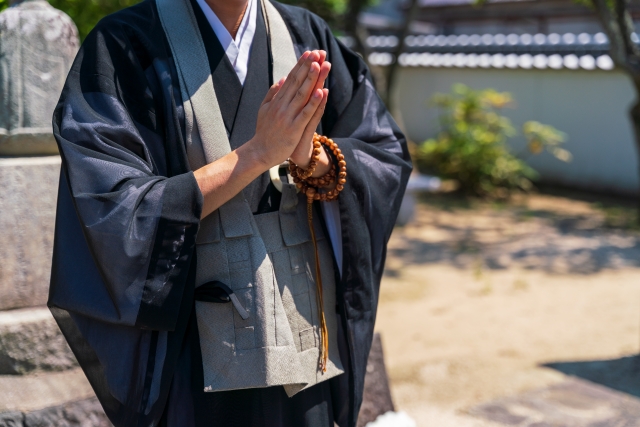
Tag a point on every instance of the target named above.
point(331, 11)
point(85, 13)
point(472, 145)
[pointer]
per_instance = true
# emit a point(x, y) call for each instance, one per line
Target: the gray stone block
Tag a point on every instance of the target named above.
point(30, 340)
point(377, 394)
point(36, 51)
point(85, 413)
point(28, 195)
point(574, 403)
point(11, 419)
point(28, 393)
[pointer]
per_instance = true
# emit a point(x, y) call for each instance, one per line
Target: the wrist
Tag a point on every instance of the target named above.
point(326, 187)
point(324, 165)
point(252, 159)
point(302, 160)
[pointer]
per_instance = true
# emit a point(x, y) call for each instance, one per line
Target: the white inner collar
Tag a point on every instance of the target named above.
point(237, 50)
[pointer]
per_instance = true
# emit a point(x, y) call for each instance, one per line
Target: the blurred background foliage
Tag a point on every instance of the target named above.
point(472, 146)
point(87, 13)
point(331, 11)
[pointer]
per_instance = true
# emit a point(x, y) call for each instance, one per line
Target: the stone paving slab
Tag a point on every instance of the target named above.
point(30, 341)
point(43, 390)
point(28, 195)
point(83, 413)
point(12, 419)
point(574, 403)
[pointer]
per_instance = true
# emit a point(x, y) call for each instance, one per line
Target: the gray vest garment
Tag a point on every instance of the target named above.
point(266, 260)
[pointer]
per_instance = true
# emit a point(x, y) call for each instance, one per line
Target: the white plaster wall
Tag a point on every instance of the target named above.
point(590, 106)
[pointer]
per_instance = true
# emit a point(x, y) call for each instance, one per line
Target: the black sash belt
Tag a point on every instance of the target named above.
point(218, 292)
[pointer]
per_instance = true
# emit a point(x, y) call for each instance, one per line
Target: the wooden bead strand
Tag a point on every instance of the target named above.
point(311, 187)
point(313, 164)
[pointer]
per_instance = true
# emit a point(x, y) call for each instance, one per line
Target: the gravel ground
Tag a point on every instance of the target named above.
point(482, 301)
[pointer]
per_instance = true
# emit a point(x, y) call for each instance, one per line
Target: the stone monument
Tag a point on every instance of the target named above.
point(37, 46)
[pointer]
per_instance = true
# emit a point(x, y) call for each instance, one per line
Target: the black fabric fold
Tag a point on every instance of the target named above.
point(226, 83)
point(174, 242)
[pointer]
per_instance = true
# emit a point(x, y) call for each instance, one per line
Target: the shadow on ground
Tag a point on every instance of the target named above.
point(619, 374)
point(555, 238)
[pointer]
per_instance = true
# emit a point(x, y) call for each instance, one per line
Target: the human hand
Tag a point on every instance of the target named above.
point(301, 156)
point(288, 108)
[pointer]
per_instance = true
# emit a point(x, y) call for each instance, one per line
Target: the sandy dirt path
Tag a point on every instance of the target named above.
point(476, 301)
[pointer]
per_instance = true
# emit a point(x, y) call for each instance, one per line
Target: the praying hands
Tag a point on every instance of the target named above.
point(291, 112)
point(287, 120)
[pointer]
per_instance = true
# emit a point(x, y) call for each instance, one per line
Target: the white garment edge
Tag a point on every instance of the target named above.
point(238, 51)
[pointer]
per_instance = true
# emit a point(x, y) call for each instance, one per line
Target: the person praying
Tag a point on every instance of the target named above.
point(229, 182)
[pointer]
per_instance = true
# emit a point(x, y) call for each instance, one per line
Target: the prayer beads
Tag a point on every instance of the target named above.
point(312, 186)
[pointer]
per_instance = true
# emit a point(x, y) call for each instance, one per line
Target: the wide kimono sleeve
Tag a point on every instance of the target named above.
point(377, 157)
point(127, 218)
point(126, 229)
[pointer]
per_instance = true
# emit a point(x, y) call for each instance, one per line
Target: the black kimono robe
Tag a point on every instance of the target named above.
point(122, 283)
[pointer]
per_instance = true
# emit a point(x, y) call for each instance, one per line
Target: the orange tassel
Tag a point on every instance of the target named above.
point(324, 333)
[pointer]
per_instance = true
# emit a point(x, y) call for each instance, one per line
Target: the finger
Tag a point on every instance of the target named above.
point(301, 97)
point(323, 56)
point(299, 76)
point(303, 118)
point(301, 62)
point(273, 90)
point(325, 68)
point(297, 79)
point(315, 119)
point(315, 55)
